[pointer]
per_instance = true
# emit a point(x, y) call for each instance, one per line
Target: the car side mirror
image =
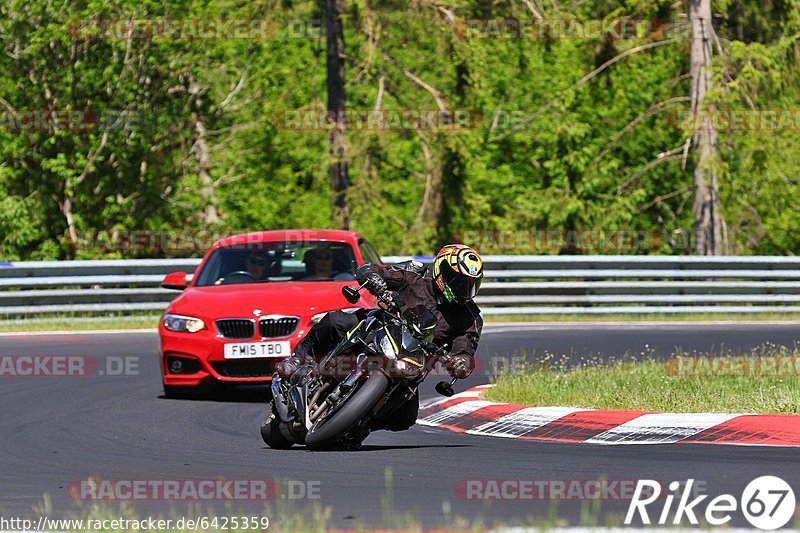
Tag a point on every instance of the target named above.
point(175, 281)
point(351, 294)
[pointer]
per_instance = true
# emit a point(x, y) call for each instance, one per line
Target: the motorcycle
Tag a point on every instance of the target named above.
point(328, 406)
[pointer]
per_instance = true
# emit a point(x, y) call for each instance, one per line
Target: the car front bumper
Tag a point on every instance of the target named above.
point(204, 361)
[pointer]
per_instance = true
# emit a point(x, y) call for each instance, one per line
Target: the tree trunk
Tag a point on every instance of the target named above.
point(708, 223)
point(66, 210)
point(337, 137)
point(208, 191)
point(430, 209)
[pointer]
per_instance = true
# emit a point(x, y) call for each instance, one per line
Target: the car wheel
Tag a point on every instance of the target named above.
point(271, 433)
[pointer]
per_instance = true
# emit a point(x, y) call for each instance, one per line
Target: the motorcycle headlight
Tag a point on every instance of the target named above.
point(183, 324)
point(387, 347)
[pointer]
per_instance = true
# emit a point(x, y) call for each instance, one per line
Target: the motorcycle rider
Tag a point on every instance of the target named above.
point(447, 293)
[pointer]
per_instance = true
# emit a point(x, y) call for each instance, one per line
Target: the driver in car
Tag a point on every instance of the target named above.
point(319, 263)
point(447, 292)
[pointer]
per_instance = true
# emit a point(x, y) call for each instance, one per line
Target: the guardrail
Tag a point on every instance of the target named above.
point(512, 285)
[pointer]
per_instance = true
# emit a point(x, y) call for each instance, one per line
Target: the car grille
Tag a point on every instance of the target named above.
point(270, 328)
point(245, 369)
point(236, 328)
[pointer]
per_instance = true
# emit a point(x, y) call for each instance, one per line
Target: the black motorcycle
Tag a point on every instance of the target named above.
point(375, 369)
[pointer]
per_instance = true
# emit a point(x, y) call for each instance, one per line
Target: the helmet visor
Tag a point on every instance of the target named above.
point(463, 287)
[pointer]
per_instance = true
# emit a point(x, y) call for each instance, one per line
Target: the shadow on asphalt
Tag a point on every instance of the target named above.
point(373, 448)
point(383, 447)
point(239, 394)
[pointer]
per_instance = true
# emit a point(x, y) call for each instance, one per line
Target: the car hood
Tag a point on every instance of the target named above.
point(295, 298)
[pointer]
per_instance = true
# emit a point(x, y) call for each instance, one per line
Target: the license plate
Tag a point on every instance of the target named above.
point(246, 350)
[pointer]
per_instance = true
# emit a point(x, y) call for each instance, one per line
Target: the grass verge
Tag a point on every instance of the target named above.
point(305, 516)
point(765, 382)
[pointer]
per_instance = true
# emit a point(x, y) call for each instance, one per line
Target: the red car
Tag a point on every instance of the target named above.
point(251, 300)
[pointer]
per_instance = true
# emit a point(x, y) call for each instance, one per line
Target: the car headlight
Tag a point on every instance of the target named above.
point(316, 318)
point(183, 324)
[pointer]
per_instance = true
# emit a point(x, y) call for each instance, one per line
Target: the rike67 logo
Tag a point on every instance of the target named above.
point(767, 502)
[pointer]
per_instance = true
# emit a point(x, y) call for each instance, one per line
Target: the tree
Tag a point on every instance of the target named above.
point(708, 223)
point(337, 138)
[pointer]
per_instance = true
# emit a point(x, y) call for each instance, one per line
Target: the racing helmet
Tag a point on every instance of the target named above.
point(457, 272)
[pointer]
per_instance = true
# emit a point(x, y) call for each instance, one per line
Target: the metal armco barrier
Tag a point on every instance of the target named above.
point(513, 285)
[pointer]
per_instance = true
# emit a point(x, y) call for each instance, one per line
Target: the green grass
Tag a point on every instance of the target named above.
point(651, 385)
point(288, 516)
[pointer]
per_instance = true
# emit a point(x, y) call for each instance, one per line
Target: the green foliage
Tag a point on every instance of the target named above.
point(543, 153)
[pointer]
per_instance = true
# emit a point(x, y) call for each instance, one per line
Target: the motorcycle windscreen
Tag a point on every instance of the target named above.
point(409, 342)
point(388, 341)
point(421, 321)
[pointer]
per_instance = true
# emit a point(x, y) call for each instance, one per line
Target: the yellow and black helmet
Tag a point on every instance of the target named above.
point(457, 272)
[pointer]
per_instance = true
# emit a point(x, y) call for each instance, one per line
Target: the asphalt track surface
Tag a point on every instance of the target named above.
point(61, 429)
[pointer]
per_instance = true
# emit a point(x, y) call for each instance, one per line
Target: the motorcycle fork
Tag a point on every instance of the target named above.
point(397, 395)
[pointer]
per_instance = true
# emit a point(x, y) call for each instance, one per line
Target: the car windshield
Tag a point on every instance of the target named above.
point(279, 261)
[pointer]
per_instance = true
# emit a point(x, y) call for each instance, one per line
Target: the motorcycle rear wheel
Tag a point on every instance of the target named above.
point(327, 435)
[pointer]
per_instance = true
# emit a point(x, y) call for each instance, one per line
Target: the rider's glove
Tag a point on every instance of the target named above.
point(458, 366)
point(375, 284)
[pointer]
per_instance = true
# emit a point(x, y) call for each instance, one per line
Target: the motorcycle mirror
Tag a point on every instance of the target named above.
point(351, 294)
point(445, 389)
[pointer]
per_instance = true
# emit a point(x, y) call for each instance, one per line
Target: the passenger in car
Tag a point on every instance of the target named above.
point(258, 265)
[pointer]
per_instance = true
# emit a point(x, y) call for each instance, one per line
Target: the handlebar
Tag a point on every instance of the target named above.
point(388, 298)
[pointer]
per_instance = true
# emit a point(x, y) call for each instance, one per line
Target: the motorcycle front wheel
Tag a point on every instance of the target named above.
point(326, 433)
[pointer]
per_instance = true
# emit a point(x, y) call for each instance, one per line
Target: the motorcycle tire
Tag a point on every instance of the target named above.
point(331, 431)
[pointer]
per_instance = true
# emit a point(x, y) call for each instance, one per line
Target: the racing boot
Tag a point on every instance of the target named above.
point(287, 367)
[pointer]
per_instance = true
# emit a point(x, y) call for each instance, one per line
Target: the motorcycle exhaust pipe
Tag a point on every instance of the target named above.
point(316, 414)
